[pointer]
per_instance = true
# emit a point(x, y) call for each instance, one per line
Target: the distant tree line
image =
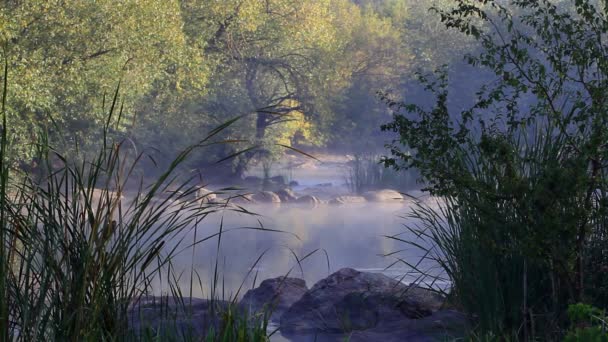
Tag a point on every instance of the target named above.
point(305, 73)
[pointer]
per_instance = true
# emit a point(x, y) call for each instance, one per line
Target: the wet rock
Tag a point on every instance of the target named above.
point(349, 300)
point(385, 195)
point(293, 183)
point(205, 196)
point(286, 195)
point(324, 185)
point(276, 294)
point(308, 200)
point(266, 197)
point(347, 200)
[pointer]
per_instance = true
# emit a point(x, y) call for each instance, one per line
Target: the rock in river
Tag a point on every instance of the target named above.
point(286, 195)
point(308, 200)
point(347, 200)
point(266, 197)
point(349, 300)
point(276, 294)
point(385, 195)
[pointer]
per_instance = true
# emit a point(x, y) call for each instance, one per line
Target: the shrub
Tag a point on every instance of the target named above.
point(522, 174)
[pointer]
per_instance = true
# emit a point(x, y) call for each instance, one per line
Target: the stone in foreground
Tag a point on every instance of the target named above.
point(350, 301)
point(276, 294)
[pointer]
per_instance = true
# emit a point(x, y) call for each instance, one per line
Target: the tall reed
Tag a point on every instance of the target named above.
point(366, 172)
point(507, 236)
point(78, 249)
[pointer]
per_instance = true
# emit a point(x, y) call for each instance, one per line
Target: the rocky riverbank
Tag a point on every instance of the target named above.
point(360, 305)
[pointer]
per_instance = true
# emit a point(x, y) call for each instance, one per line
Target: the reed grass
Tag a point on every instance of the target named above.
point(78, 248)
point(507, 239)
point(366, 172)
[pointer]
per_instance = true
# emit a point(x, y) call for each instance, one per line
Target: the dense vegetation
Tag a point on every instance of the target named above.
point(521, 230)
point(305, 72)
point(92, 89)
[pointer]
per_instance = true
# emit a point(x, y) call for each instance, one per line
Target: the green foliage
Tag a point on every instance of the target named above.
point(240, 328)
point(186, 66)
point(63, 54)
point(76, 254)
point(587, 324)
point(522, 174)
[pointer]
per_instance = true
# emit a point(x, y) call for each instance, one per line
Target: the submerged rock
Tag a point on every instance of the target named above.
point(276, 295)
point(347, 200)
point(385, 195)
point(349, 300)
point(266, 197)
point(308, 200)
point(286, 195)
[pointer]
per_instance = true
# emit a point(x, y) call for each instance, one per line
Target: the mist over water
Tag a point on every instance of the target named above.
point(342, 236)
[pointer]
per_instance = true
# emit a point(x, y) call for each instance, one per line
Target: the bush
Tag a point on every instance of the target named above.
point(521, 225)
point(587, 323)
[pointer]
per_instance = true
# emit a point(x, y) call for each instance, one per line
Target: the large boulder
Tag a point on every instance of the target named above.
point(266, 197)
point(308, 200)
point(347, 200)
point(385, 195)
point(275, 295)
point(204, 195)
point(286, 195)
point(349, 300)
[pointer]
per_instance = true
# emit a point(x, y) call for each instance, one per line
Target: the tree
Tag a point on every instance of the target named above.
point(65, 55)
point(523, 172)
point(375, 57)
point(287, 60)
